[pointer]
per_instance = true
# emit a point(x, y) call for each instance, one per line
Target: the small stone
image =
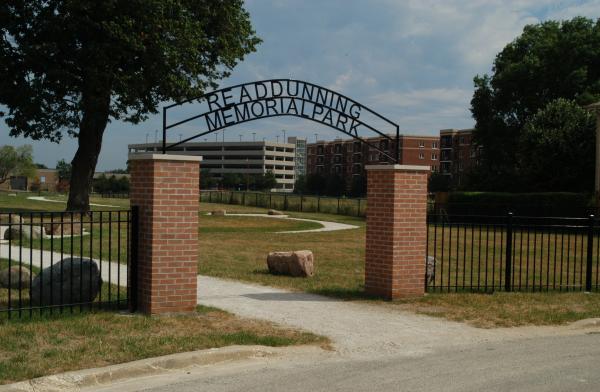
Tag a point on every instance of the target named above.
point(219, 213)
point(430, 262)
point(275, 212)
point(299, 263)
point(24, 232)
point(70, 281)
point(15, 278)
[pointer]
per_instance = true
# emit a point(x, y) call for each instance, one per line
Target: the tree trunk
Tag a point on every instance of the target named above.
point(91, 130)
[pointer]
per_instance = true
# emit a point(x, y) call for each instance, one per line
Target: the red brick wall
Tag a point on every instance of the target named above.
point(167, 193)
point(396, 231)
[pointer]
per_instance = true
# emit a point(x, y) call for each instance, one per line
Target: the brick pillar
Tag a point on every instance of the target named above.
point(396, 230)
point(166, 189)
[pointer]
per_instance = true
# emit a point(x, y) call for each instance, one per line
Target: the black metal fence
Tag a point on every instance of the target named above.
point(56, 262)
point(289, 202)
point(512, 253)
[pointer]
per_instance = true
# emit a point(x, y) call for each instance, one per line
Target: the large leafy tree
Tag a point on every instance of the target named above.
point(557, 148)
point(16, 162)
point(547, 61)
point(74, 65)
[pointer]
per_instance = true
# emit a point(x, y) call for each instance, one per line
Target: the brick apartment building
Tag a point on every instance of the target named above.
point(458, 153)
point(348, 158)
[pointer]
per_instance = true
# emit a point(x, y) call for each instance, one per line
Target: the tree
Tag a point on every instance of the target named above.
point(63, 170)
point(231, 181)
point(300, 184)
point(16, 162)
point(268, 181)
point(73, 66)
point(547, 61)
point(438, 182)
point(335, 185)
point(557, 148)
point(316, 183)
point(207, 181)
point(358, 188)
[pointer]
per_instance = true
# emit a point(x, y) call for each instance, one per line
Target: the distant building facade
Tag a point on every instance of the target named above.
point(300, 158)
point(257, 157)
point(458, 154)
point(348, 158)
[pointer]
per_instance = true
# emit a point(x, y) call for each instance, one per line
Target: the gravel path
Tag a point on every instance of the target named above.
point(356, 329)
point(327, 226)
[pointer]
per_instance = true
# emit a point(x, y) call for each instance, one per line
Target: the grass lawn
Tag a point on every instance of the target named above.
point(230, 250)
point(506, 309)
point(51, 345)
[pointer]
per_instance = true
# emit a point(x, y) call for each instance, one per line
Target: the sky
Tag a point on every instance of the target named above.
point(413, 61)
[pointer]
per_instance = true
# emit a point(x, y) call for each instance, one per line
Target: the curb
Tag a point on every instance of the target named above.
point(75, 380)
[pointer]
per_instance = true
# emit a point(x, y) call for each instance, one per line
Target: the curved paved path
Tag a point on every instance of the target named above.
point(327, 225)
point(42, 198)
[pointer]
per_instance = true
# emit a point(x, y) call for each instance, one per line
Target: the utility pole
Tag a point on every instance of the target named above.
point(253, 136)
point(240, 137)
point(316, 137)
point(595, 108)
point(284, 139)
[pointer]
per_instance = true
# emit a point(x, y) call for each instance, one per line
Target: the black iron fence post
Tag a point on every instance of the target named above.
point(133, 262)
point(318, 203)
point(301, 200)
point(358, 211)
point(338, 206)
point(508, 266)
point(590, 251)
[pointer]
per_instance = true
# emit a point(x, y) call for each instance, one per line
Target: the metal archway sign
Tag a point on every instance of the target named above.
point(284, 97)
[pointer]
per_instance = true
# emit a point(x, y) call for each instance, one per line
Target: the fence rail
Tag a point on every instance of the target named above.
point(66, 261)
point(512, 253)
point(289, 202)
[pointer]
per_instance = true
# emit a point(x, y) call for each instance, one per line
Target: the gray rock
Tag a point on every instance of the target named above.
point(24, 232)
point(78, 282)
point(431, 261)
point(275, 212)
point(298, 263)
point(6, 219)
point(15, 278)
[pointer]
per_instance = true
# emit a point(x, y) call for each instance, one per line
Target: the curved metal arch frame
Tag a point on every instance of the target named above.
point(395, 159)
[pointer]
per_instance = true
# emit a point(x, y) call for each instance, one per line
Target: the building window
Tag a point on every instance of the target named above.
point(421, 144)
point(320, 150)
point(421, 155)
point(434, 156)
point(383, 144)
point(434, 144)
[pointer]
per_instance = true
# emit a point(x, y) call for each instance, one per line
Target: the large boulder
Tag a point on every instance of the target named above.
point(74, 280)
point(15, 278)
point(298, 263)
point(65, 228)
point(10, 219)
point(275, 212)
point(24, 232)
point(430, 263)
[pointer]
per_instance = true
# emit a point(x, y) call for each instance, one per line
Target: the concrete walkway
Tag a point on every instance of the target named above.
point(42, 198)
point(357, 329)
point(327, 225)
point(111, 271)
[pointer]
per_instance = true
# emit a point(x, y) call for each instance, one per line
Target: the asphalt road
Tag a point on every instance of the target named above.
point(559, 363)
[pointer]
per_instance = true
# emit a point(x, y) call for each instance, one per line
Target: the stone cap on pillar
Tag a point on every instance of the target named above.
point(163, 157)
point(399, 167)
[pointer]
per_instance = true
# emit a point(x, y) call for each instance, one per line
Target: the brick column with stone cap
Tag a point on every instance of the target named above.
point(166, 189)
point(396, 230)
